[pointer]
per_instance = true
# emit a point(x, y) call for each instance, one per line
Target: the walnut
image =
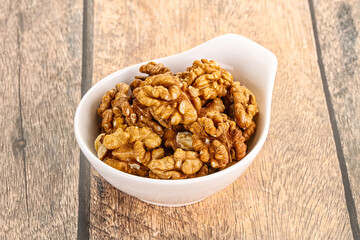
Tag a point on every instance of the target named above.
point(207, 76)
point(218, 140)
point(157, 153)
point(116, 139)
point(124, 114)
point(107, 118)
point(249, 131)
point(102, 152)
point(128, 167)
point(245, 105)
point(176, 166)
point(175, 140)
point(100, 149)
point(119, 123)
point(176, 126)
point(189, 159)
point(193, 95)
point(98, 141)
point(164, 168)
point(109, 109)
point(132, 143)
point(137, 82)
point(170, 139)
point(121, 98)
point(140, 116)
point(166, 101)
point(204, 170)
point(152, 68)
point(213, 107)
point(106, 101)
point(184, 140)
point(165, 80)
point(153, 175)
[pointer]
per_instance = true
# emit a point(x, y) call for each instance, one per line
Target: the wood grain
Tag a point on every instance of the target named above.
point(40, 74)
point(293, 190)
point(338, 29)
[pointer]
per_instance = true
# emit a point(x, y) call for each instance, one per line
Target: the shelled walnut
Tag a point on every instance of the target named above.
point(166, 100)
point(177, 166)
point(208, 78)
point(176, 126)
point(245, 105)
point(218, 140)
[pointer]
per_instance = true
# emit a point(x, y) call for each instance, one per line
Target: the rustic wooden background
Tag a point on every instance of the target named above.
point(304, 184)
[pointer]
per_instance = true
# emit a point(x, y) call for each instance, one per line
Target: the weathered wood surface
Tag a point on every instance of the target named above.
point(338, 28)
point(293, 190)
point(40, 75)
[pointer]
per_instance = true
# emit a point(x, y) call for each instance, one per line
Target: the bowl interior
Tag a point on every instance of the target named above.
point(248, 62)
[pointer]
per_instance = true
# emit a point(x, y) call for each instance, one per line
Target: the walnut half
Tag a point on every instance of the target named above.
point(208, 78)
point(218, 140)
point(168, 104)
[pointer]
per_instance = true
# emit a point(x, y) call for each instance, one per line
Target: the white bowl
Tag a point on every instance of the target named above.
point(247, 61)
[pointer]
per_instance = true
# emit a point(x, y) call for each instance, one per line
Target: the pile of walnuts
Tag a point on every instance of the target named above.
point(176, 126)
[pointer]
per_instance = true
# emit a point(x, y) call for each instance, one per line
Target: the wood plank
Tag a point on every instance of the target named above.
point(40, 59)
point(338, 24)
point(293, 190)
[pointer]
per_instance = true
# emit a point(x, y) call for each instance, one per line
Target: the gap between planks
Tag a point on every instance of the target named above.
point(86, 80)
point(350, 203)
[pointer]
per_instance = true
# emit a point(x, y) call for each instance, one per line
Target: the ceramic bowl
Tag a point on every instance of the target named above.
point(247, 61)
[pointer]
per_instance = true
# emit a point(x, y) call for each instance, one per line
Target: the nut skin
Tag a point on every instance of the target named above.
point(170, 139)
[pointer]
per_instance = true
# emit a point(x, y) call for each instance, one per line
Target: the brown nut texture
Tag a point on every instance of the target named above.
point(245, 105)
point(109, 108)
point(249, 131)
point(128, 167)
point(140, 116)
point(213, 107)
point(153, 68)
point(177, 166)
point(106, 101)
point(107, 118)
point(132, 143)
point(215, 138)
point(121, 98)
point(132, 114)
point(176, 126)
point(167, 102)
point(208, 78)
point(173, 139)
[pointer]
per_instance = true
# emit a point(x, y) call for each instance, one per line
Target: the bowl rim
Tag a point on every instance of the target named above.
point(250, 156)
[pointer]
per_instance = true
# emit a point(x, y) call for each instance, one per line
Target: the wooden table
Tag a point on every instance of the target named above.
point(304, 184)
